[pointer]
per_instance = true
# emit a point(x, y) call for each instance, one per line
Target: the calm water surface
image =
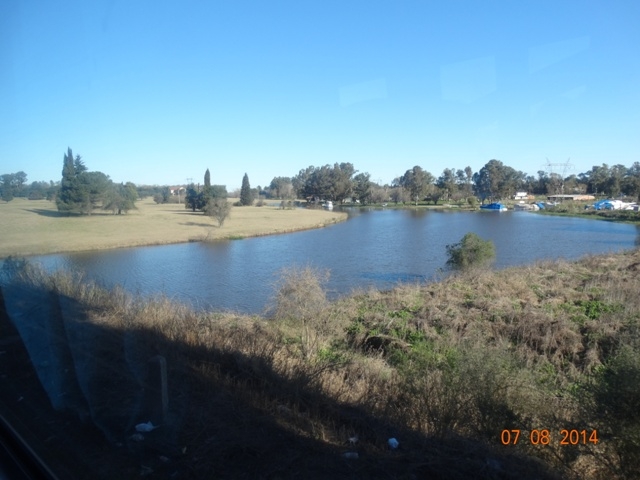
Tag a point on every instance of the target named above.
point(373, 248)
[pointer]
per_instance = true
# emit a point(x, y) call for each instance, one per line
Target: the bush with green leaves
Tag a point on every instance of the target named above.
point(472, 251)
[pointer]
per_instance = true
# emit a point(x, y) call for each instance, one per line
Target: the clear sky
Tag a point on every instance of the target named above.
point(155, 92)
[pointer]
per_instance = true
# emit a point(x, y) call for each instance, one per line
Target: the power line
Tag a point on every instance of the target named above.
point(566, 166)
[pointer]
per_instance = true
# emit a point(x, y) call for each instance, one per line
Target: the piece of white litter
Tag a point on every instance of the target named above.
point(393, 443)
point(146, 427)
point(353, 440)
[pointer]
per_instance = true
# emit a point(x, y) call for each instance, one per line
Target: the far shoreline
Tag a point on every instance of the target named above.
point(34, 227)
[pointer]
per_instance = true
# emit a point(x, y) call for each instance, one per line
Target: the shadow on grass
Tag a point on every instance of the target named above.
point(196, 224)
point(55, 214)
point(47, 213)
point(219, 423)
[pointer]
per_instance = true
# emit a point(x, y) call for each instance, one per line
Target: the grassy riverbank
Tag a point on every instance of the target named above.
point(444, 368)
point(578, 209)
point(34, 227)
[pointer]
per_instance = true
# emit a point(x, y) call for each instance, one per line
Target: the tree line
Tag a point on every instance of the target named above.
point(15, 185)
point(494, 181)
point(82, 191)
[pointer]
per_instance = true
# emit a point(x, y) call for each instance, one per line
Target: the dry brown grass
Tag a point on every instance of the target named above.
point(34, 227)
point(444, 367)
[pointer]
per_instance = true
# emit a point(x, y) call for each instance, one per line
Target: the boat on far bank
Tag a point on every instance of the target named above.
point(527, 207)
point(328, 205)
point(497, 206)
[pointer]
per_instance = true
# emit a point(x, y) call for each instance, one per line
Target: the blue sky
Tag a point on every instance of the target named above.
point(155, 92)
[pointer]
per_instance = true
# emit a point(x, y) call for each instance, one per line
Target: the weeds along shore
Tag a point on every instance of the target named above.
point(547, 353)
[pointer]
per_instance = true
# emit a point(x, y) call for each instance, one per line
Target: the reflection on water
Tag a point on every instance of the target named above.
point(376, 248)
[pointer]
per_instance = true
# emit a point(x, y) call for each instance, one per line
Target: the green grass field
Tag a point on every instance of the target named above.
point(34, 227)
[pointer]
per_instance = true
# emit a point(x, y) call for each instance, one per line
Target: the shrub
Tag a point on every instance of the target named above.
point(219, 209)
point(301, 299)
point(471, 251)
point(611, 404)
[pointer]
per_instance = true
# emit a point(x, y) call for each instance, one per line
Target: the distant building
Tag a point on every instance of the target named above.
point(177, 190)
point(523, 196)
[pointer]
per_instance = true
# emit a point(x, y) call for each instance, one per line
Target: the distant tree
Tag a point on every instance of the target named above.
point(80, 190)
point(281, 187)
point(194, 199)
point(341, 183)
point(319, 184)
point(435, 193)
point(13, 184)
point(597, 179)
point(572, 184)
point(219, 191)
point(416, 181)
point(206, 190)
point(299, 182)
point(631, 182)
point(555, 184)
point(7, 193)
point(162, 195)
point(8, 186)
point(246, 195)
point(79, 165)
point(91, 187)
point(398, 192)
point(616, 179)
point(68, 199)
point(219, 209)
point(496, 180)
point(120, 198)
point(447, 182)
point(471, 251)
point(362, 187)
point(379, 194)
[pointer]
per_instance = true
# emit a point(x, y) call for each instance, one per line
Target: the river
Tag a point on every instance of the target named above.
point(375, 247)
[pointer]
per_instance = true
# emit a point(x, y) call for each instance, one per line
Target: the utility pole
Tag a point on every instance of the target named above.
point(565, 167)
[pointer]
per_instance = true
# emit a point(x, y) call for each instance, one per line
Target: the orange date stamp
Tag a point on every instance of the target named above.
point(544, 436)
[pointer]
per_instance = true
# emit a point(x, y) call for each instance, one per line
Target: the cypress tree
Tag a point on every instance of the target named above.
point(65, 198)
point(206, 191)
point(246, 195)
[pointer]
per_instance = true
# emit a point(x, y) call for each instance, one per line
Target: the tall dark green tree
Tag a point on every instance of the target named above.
point(206, 190)
point(67, 200)
point(194, 199)
point(362, 187)
point(246, 195)
point(80, 190)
